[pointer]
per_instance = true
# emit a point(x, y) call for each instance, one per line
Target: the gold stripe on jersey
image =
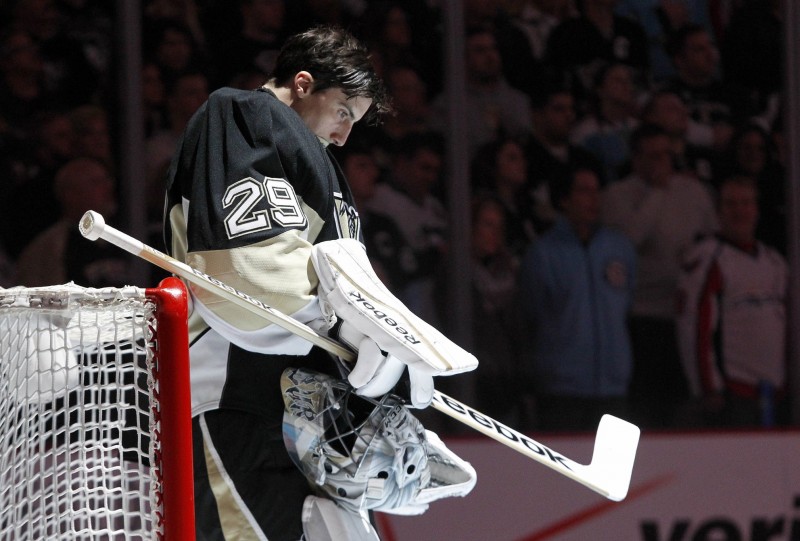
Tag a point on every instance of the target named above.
point(275, 271)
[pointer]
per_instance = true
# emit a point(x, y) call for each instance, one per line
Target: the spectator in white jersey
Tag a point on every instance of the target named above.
point(732, 317)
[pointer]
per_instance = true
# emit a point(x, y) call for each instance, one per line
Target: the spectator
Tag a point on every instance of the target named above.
point(493, 107)
point(606, 129)
point(500, 169)
point(576, 286)
point(386, 248)
point(496, 323)
point(30, 198)
point(714, 106)
point(386, 28)
point(153, 98)
point(410, 99)
point(538, 18)
point(411, 115)
point(23, 90)
point(91, 134)
point(549, 151)
point(91, 24)
point(255, 46)
point(169, 43)
point(520, 67)
point(667, 110)
point(185, 94)
point(68, 72)
point(732, 325)
point(580, 45)
point(659, 18)
point(752, 153)
point(662, 212)
point(60, 253)
point(50, 147)
point(753, 50)
point(185, 11)
point(409, 198)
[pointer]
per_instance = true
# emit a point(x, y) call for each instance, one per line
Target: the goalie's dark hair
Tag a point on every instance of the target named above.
point(336, 59)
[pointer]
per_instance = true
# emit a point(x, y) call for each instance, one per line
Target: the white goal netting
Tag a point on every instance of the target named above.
point(78, 412)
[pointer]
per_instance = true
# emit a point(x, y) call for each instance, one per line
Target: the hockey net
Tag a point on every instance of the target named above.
point(95, 427)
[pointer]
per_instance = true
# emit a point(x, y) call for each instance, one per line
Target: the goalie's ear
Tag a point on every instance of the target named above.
point(302, 84)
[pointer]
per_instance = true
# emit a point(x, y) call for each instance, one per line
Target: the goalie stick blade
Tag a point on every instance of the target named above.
point(609, 473)
point(614, 453)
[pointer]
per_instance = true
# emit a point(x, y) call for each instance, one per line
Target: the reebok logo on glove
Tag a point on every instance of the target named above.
point(383, 317)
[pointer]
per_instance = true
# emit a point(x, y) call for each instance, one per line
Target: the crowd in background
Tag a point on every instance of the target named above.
point(626, 167)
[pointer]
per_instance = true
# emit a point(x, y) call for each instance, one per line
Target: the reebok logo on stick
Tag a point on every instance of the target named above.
point(502, 430)
point(383, 318)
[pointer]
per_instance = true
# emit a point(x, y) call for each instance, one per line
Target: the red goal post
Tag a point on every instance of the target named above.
point(95, 414)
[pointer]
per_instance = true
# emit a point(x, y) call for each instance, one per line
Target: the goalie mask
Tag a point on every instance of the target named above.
point(366, 453)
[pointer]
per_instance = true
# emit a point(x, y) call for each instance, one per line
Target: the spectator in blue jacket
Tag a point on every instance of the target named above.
point(576, 284)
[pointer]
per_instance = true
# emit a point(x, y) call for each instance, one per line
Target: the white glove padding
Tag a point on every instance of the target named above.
point(376, 373)
point(349, 287)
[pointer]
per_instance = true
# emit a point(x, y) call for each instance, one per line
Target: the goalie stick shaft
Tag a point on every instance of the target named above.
point(93, 226)
point(609, 472)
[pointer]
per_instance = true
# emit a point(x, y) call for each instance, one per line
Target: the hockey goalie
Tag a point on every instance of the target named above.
point(253, 196)
point(354, 441)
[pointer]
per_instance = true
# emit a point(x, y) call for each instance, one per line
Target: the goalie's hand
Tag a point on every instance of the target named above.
point(351, 293)
point(377, 372)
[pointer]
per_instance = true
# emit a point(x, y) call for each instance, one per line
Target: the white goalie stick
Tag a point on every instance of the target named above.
point(609, 472)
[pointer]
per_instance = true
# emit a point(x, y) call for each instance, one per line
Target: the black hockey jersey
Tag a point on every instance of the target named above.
point(250, 190)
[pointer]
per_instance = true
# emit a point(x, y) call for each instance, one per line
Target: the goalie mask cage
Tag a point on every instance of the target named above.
point(95, 422)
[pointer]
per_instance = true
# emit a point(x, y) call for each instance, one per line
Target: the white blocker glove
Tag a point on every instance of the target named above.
point(377, 372)
point(386, 334)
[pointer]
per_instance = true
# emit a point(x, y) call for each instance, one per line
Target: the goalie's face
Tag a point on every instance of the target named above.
point(329, 113)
